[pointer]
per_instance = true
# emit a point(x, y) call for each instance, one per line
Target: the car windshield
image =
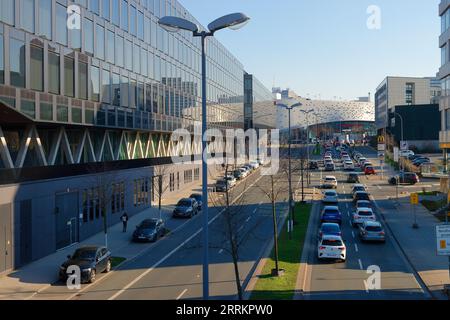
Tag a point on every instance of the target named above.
point(364, 213)
point(374, 229)
point(85, 254)
point(184, 203)
point(330, 194)
point(148, 224)
point(331, 212)
point(332, 243)
point(369, 168)
point(329, 228)
point(329, 179)
point(363, 205)
point(359, 189)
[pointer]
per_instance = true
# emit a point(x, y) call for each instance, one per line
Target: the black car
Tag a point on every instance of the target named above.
point(404, 178)
point(198, 198)
point(420, 161)
point(353, 178)
point(186, 208)
point(90, 259)
point(360, 195)
point(149, 230)
point(313, 165)
point(238, 174)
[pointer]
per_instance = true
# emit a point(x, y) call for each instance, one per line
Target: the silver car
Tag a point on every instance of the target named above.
point(330, 196)
point(372, 231)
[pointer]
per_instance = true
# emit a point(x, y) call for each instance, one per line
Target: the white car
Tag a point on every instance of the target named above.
point(331, 247)
point(358, 187)
point(348, 165)
point(406, 153)
point(361, 215)
point(329, 182)
point(330, 196)
point(244, 171)
point(254, 164)
point(231, 181)
point(361, 160)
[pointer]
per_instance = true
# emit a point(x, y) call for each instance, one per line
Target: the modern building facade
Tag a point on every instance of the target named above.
point(259, 108)
point(444, 75)
point(397, 91)
point(90, 92)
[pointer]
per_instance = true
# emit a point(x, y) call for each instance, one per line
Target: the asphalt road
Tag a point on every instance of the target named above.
point(335, 280)
point(172, 267)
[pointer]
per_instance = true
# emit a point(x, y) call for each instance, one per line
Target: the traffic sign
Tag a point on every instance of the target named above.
point(443, 239)
point(381, 147)
point(414, 198)
point(404, 145)
point(396, 154)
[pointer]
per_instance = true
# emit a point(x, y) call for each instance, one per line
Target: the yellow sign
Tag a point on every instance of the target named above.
point(443, 244)
point(380, 139)
point(448, 197)
point(414, 198)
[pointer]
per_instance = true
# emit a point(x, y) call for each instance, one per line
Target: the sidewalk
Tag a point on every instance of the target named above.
point(419, 245)
point(23, 283)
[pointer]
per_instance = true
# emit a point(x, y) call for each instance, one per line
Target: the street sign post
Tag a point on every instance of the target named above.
point(396, 154)
point(443, 239)
point(414, 199)
point(404, 145)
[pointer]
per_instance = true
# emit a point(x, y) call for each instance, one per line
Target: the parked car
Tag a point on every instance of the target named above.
point(404, 178)
point(198, 198)
point(313, 165)
point(238, 174)
point(254, 164)
point(353, 178)
point(222, 185)
point(331, 214)
point(331, 247)
point(330, 196)
point(405, 153)
point(369, 170)
point(360, 195)
point(361, 215)
point(91, 260)
point(327, 228)
point(420, 161)
point(245, 172)
point(371, 231)
point(231, 180)
point(329, 182)
point(149, 230)
point(185, 208)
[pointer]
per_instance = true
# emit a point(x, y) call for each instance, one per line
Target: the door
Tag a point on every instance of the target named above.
point(25, 232)
point(6, 254)
point(66, 211)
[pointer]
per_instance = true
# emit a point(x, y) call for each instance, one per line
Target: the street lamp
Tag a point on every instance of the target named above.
point(175, 24)
point(291, 215)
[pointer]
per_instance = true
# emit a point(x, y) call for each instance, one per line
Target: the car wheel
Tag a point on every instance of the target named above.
point(108, 266)
point(92, 276)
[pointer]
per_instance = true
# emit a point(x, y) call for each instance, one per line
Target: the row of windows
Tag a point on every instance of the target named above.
point(141, 192)
point(445, 21)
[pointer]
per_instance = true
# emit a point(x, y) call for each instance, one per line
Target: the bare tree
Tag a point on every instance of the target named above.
point(160, 185)
point(234, 218)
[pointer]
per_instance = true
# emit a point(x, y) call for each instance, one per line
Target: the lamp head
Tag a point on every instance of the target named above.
point(175, 24)
point(233, 21)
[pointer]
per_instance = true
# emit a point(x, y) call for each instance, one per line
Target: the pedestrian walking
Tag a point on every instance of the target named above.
point(124, 219)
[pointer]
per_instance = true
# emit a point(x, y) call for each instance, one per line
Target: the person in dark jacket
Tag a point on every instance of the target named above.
point(124, 219)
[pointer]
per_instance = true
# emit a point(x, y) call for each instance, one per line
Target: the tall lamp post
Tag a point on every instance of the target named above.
point(401, 125)
point(175, 24)
point(291, 215)
point(307, 142)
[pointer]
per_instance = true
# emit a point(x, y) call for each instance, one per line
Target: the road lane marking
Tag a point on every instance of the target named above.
point(182, 294)
point(360, 264)
point(220, 251)
point(167, 256)
point(254, 211)
point(248, 219)
point(353, 234)
point(356, 247)
point(350, 223)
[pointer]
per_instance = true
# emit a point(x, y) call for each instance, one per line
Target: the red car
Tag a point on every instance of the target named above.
point(369, 170)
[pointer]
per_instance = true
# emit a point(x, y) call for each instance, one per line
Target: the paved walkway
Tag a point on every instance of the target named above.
point(23, 283)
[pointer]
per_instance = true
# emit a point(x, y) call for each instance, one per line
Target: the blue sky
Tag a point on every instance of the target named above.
point(323, 47)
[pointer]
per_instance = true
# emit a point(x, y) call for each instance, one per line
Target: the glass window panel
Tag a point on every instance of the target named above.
point(37, 68)
point(133, 21)
point(116, 12)
point(53, 73)
point(136, 58)
point(95, 83)
point(45, 18)
point(29, 108)
point(62, 113)
point(89, 116)
point(132, 93)
point(110, 47)
point(124, 88)
point(69, 76)
point(61, 22)
point(46, 112)
point(76, 115)
point(119, 51)
point(82, 80)
point(2, 61)
point(116, 89)
point(140, 25)
point(94, 6)
point(128, 55)
point(88, 36)
point(100, 37)
point(106, 9)
point(27, 15)
point(106, 86)
point(7, 11)
point(144, 61)
point(124, 21)
point(17, 62)
point(147, 30)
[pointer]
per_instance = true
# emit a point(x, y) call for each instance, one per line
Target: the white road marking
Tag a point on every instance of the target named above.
point(260, 203)
point(353, 234)
point(254, 211)
point(182, 294)
point(356, 247)
point(360, 264)
point(379, 188)
point(167, 256)
point(350, 223)
point(220, 251)
point(248, 219)
point(240, 229)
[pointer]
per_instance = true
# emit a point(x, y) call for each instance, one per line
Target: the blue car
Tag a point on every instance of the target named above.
point(330, 229)
point(331, 214)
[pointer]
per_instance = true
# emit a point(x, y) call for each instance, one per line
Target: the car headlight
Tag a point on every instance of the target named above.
point(189, 210)
point(86, 270)
point(62, 268)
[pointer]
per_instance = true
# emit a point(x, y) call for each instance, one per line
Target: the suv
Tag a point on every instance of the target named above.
point(404, 177)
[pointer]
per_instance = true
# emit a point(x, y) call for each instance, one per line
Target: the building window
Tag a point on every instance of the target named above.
point(95, 83)
point(46, 112)
point(37, 68)
point(115, 12)
point(409, 93)
point(100, 37)
point(116, 89)
point(88, 36)
point(110, 46)
point(140, 25)
point(136, 56)
point(106, 9)
point(7, 11)
point(133, 21)
point(75, 33)
point(124, 15)
point(45, 18)
point(53, 73)
point(94, 6)
point(82, 80)
point(2, 61)
point(124, 88)
point(144, 62)
point(196, 174)
point(62, 113)
point(69, 76)
point(76, 115)
point(128, 55)
point(119, 51)
point(61, 22)
point(106, 86)
point(17, 62)
point(27, 15)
